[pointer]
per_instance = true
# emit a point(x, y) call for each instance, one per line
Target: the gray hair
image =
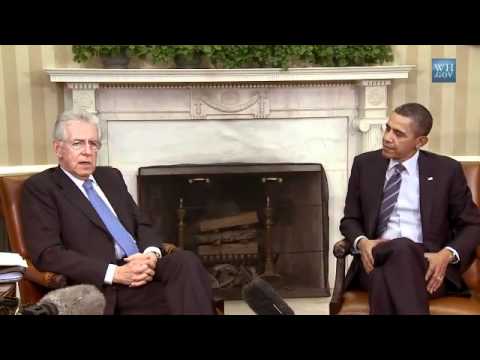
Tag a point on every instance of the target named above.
point(59, 127)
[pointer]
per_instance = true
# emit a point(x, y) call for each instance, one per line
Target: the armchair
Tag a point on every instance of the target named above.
point(355, 302)
point(35, 283)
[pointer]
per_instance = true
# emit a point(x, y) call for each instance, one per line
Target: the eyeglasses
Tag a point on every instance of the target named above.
point(80, 145)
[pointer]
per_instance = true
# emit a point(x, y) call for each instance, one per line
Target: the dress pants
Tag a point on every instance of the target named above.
point(397, 283)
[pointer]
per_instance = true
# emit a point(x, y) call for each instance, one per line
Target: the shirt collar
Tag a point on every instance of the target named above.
point(76, 180)
point(410, 164)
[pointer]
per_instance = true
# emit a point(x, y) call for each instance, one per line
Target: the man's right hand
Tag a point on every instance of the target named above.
point(365, 246)
point(133, 274)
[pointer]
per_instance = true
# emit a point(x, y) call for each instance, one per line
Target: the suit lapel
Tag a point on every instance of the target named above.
point(74, 195)
point(376, 182)
point(426, 179)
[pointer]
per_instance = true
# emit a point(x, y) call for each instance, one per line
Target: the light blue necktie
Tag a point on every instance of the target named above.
point(122, 237)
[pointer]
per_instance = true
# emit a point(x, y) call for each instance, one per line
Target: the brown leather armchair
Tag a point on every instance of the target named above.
point(355, 302)
point(35, 283)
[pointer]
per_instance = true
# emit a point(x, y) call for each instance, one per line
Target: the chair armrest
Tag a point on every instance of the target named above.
point(168, 248)
point(471, 276)
point(341, 249)
point(476, 287)
point(46, 279)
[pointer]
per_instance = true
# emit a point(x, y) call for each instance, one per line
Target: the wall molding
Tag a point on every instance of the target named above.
point(475, 158)
point(23, 169)
point(31, 169)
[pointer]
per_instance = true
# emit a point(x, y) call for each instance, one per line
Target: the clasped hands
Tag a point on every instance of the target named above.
point(137, 271)
point(437, 262)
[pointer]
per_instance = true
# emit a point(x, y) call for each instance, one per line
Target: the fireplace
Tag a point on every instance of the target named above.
point(217, 116)
point(244, 220)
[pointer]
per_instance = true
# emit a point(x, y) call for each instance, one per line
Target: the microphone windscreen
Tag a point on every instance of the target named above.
point(76, 300)
point(45, 308)
point(263, 299)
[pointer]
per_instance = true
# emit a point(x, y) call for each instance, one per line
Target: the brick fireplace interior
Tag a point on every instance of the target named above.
point(245, 219)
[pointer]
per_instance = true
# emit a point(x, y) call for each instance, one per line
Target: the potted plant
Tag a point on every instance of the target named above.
point(112, 56)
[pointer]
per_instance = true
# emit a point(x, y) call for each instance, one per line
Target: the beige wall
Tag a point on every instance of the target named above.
point(455, 106)
point(29, 103)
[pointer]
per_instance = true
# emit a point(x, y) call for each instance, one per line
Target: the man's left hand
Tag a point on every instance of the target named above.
point(437, 267)
point(149, 259)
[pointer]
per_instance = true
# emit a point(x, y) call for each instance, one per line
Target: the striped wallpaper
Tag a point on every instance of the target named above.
point(455, 106)
point(29, 103)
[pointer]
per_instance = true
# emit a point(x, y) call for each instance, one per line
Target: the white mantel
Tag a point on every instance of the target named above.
point(70, 75)
point(172, 116)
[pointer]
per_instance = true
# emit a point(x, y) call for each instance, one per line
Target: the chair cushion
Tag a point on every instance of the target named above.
point(455, 305)
point(356, 303)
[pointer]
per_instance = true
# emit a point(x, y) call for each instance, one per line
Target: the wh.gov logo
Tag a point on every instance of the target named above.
point(444, 70)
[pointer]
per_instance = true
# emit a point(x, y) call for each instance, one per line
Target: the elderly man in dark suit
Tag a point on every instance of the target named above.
point(79, 220)
point(410, 219)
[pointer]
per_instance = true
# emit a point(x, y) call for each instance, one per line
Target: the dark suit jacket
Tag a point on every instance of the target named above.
point(63, 232)
point(448, 214)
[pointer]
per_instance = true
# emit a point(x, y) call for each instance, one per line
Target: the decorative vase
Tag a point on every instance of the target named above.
point(115, 62)
point(195, 62)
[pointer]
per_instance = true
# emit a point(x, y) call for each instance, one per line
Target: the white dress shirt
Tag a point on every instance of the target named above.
point(406, 220)
point(111, 267)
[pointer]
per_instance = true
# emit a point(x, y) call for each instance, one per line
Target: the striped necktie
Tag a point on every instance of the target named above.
point(390, 196)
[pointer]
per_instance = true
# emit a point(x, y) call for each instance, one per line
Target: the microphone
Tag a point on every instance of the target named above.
point(263, 299)
point(71, 300)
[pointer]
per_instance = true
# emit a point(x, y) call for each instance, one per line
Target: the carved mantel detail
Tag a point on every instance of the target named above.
point(373, 106)
point(237, 102)
point(83, 96)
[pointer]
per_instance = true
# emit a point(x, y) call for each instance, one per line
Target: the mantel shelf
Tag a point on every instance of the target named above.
point(83, 75)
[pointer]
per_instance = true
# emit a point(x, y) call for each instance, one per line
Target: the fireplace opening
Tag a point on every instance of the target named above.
point(244, 220)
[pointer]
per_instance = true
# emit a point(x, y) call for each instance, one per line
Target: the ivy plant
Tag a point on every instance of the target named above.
point(82, 53)
point(245, 56)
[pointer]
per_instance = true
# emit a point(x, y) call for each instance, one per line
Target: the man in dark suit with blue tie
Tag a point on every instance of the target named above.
point(79, 220)
point(409, 218)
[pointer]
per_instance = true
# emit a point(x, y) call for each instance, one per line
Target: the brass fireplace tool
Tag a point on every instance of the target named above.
point(181, 223)
point(269, 271)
